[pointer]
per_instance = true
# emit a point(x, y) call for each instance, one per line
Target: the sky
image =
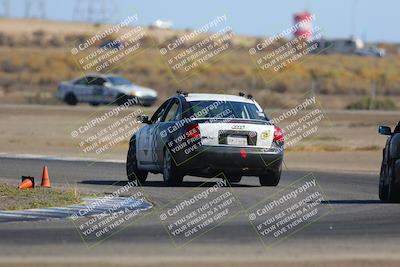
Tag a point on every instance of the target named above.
point(372, 21)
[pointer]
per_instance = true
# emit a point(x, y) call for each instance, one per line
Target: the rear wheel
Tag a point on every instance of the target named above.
point(271, 178)
point(71, 99)
point(171, 174)
point(121, 99)
point(132, 170)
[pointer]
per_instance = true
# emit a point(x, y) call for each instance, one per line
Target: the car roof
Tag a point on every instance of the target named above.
point(102, 75)
point(217, 97)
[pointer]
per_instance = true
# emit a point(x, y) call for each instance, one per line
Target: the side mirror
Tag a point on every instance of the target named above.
point(144, 119)
point(384, 130)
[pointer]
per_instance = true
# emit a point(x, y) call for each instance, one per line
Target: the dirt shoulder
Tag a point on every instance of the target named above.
point(346, 161)
point(200, 262)
point(348, 143)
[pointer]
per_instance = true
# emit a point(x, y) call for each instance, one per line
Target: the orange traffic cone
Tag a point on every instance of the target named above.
point(45, 178)
point(27, 182)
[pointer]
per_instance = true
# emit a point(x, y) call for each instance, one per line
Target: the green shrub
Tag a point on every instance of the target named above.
point(368, 103)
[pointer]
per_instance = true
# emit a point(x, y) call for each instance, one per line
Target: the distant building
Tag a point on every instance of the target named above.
point(339, 46)
point(162, 24)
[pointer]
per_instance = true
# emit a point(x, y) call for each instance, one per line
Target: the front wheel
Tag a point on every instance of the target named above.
point(393, 192)
point(171, 174)
point(383, 187)
point(132, 170)
point(271, 178)
point(71, 99)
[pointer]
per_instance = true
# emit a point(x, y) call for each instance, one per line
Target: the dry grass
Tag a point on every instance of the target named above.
point(34, 74)
point(13, 198)
point(31, 70)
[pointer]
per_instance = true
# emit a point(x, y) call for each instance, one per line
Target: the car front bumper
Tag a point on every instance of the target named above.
point(147, 100)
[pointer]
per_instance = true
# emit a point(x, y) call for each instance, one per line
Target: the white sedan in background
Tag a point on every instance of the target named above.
point(98, 89)
point(371, 52)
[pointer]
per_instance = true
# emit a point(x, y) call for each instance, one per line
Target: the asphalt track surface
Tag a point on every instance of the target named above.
point(358, 224)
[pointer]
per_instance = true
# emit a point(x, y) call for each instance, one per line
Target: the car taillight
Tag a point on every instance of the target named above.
point(278, 134)
point(193, 131)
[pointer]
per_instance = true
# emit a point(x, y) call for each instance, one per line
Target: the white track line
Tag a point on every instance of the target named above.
point(66, 212)
point(49, 157)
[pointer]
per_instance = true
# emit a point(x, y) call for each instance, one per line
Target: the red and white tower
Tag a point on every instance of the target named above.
point(304, 20)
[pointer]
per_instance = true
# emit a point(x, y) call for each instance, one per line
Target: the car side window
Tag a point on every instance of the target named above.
point(160, 112)
point(245, 113)
point(92, 81)
point(97, 81)
point(397, 128)
point(82, 81)
point(88, 80)
point(172, 111)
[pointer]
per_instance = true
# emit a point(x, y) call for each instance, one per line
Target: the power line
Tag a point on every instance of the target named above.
point(35, 9)
point(95, 11)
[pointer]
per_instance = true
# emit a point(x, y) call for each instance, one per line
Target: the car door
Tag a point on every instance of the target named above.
point(109, 92)
point(80, 88)
point(96, 87)
point(146, 139)
point(93, 90)
point(163, 133)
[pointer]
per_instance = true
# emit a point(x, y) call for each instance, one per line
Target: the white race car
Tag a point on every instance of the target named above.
point(207, 135)
point(98, 89)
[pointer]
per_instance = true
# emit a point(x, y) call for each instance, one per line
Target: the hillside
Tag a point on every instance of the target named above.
point(35, 56)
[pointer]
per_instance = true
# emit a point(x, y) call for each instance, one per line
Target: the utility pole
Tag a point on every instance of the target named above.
point(94, 11)
point(4, 8)
point(373, 95)
point(354, 18)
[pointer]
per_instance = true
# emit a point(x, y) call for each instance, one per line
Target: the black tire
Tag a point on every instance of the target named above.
point(234, 179)
point(94, 104)
point(132, 171)
point(271, 178)
point(393, 191)
point(383, 187)
point(71, 99)
point(171, 174)
point(121, 99)
point(393, 194)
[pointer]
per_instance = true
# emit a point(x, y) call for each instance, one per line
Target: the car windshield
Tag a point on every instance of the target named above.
point(226, 109)
point(119, 80)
